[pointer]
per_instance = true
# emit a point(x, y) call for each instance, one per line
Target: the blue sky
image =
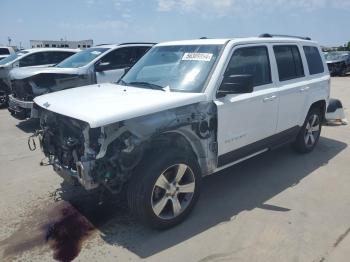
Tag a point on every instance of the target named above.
point(111, 21)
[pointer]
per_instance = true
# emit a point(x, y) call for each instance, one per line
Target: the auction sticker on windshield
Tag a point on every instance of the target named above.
point(197, 57)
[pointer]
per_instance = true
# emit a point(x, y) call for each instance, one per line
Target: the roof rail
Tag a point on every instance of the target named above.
point(286, 36)
point(104, 44)
point(135, 43)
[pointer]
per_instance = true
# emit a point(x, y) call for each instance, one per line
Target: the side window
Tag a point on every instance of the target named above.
point(140, 51)
point(119, 58)
point(56, 57)
point(314, 60)
point(289, 62)
point(4, 51)
point(32, 60)
point(251, 61)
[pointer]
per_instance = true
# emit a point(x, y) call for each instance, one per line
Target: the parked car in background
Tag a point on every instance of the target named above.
point(186, 110)
point(36, 57)
point(338, 62)
point(100, 64)
point(5, 51)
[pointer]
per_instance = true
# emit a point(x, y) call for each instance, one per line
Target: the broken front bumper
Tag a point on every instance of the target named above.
point(81, 174)
point(21, 109)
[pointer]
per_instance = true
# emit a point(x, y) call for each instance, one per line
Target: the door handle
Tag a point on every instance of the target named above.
point(303, 89)
point(270, 98)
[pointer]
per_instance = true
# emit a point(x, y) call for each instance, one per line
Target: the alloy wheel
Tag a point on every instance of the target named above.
point(312, 130)
point(173, 191)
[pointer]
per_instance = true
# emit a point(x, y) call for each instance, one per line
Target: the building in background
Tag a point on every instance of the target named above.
point(61, 43)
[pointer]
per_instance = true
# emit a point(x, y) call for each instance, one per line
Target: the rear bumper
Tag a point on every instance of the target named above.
point(21, 109)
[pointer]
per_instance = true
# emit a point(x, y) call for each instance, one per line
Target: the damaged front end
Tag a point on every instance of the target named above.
point(4, 91)
point(26, 89)
point(5, 86)
point(106, 156)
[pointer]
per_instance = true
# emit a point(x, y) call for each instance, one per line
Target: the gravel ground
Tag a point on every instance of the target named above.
point(279, 206)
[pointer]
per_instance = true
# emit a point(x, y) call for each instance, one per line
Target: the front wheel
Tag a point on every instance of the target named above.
point(164, 188)
point(310, 132)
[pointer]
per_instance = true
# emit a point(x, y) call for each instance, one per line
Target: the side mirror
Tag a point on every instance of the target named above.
point(102, 66)
point(236, 84)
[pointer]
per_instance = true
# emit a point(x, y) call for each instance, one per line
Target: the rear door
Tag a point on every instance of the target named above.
point(292, 84)
point(244, 120)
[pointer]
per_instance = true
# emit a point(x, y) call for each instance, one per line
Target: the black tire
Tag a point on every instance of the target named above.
point(300, 144)
point(142, 185)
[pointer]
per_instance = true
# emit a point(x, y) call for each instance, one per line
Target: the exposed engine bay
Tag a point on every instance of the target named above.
point(107, 155)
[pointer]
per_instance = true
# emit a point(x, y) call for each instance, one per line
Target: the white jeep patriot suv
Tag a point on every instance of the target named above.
point(186, 110)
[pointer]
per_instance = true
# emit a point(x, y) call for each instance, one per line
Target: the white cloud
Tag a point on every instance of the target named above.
point(226, 7)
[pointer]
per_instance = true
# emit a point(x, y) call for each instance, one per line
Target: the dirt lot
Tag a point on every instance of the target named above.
point(279, 206)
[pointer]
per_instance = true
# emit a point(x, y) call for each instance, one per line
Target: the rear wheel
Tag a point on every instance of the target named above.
point(164, 188)
point(310, 132)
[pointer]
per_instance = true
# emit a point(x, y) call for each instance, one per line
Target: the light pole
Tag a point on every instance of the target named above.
point(9, 40)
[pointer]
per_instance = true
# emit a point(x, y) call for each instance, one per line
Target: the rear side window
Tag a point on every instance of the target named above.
point(289, 62)
point(251, 61)
point(4, 51)
point(314, 60)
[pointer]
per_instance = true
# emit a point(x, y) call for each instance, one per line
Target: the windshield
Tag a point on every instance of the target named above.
point(178, 68)
point(12, 57)
point(336, 55)
point(82, 58)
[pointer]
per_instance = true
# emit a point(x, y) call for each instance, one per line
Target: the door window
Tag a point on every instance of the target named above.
point(4, 51)
point(251, 61)
point(314, 60)
point(289, 62)
point(118, 59)
point(140, 51)
point(33, 60)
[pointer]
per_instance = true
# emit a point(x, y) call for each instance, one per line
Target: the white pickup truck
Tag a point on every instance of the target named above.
point(186, 110)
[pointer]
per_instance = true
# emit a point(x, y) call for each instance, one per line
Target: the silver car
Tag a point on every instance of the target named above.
point(33, 58)
point(100, 64)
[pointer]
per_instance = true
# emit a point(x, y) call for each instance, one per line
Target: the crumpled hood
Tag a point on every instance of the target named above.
point(21, 73)
point(104, 104)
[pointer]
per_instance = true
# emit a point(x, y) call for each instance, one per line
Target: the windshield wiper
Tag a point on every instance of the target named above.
point(121, 82)
point(146, 84)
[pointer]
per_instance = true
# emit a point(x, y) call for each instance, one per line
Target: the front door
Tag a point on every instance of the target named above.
point(247, 118)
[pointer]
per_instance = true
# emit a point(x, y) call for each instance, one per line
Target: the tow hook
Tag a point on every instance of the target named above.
point(31, 140)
